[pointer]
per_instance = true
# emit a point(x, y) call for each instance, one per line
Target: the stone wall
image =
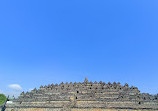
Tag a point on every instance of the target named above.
point(74, 109)
point(33, 109)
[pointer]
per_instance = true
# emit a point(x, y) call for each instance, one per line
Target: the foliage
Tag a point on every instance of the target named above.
point(2, 99)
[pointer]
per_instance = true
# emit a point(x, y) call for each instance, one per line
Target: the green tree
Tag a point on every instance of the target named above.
point(2, 99)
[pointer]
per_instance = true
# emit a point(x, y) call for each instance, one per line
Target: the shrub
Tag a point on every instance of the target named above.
point(2, 99)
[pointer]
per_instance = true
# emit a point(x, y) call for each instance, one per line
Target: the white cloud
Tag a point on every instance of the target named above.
point(15, 86)
point(1, 92)
point(30, 89)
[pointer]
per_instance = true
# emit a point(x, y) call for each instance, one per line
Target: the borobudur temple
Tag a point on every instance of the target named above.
point(85, 96)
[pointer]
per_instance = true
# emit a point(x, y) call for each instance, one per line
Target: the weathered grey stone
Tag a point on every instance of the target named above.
point(85, 95)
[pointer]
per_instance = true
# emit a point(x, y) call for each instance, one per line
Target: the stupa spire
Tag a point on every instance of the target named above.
point(86, 80)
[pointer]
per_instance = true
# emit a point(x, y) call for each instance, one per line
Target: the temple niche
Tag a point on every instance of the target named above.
point(86, 94)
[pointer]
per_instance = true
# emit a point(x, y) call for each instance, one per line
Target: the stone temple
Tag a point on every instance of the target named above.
point(85, 96)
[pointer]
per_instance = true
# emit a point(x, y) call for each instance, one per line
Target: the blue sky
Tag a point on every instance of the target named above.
point(44, 42)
